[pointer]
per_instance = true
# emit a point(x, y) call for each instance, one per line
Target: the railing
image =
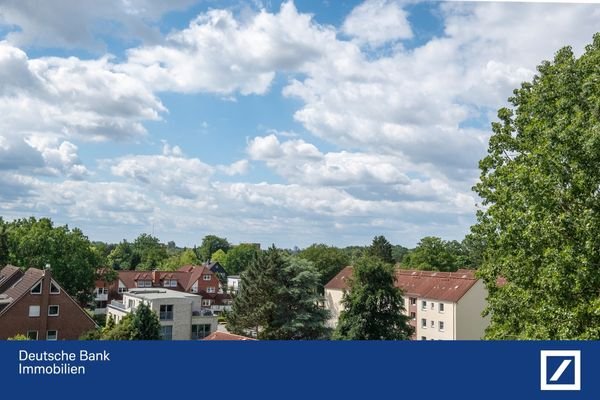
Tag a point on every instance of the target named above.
point(118, 304)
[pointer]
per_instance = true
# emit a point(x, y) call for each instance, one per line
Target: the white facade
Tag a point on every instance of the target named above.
point(181, 314)
point(233, 283)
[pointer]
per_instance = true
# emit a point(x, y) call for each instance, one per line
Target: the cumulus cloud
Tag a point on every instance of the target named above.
point(377, 22)
point(221, 54)
point(78, 23)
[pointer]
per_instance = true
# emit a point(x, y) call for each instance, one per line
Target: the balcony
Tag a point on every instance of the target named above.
point(118, 305)
point(101, 297)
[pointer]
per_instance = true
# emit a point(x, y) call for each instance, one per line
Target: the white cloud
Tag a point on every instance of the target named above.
point(239, 167)
point(221, 54)
point(377, 22)
point(78, 23)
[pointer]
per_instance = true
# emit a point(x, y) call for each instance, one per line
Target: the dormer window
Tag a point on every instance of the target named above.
point(37, 289)
point(206, 277)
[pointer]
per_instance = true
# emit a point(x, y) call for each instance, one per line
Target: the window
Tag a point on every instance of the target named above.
point(101, 304)
point(102, 290)
point(206, 277)
point(166, 312)
point(413, 315)
point(166, 332)
point(432, 323)
point(53, 311)
point(200, 331)
point(122, 290)
point(54, 289)
point(130, 303)
point(32, 335)
point(441, 307)
point(210, 289)
point(423, 323)
point(413, 301)
point(34, 311)
point(432, 305)
point(144, 283)
point(441, 325)
point(423, 305)
point(52, 335)
point(205, 302)
point(423, 337)
point(37, 289)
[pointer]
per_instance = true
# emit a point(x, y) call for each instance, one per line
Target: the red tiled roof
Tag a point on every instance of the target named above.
point(8, 272)
point(435, 285)
point(225, 336)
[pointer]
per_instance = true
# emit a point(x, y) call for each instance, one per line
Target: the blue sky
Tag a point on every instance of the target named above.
point(263, 121)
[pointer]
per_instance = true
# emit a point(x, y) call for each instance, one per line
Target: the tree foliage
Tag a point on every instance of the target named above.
point(150, 250)
point(382, 249)
point(327, 260)
point(145, 323)
point(210, 244)
point(239, 257)
point(373, 305)
point(434, 254)
point(541, 218)
point(35, 243)
point(279, 299)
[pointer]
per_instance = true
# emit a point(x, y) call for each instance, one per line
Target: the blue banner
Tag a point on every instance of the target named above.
point(310, 370)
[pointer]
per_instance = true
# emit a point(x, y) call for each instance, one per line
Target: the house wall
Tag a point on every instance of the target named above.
point(333, 302)
point(430, 313)
point(470, 325)
point(71, 323)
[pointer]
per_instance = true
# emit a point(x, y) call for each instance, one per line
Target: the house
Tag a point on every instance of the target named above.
point(233, 284)
point(35, 305)
point(189, 278)
point(442, 305)
point(217, 269)
point(181, 315)
point(226, 336)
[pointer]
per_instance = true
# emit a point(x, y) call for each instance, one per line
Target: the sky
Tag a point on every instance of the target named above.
point(291, 123)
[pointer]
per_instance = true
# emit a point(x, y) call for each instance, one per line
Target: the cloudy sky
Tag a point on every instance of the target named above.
point(263, 121)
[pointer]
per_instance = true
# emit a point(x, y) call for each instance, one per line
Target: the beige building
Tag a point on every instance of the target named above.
point(181, 315)
point(442, 305)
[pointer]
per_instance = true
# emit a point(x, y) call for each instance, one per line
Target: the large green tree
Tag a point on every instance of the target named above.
point(382, 249)
point(434, 254)
point(145, 323)
point(279, 299)
point(123, 257)
point(239, 257)
point(540, 220)
point(326, 259)
point(152, 253)
point(373, 305)
point(35, 243)
point(210, 244)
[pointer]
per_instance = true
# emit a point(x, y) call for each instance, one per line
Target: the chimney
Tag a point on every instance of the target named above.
point(155, 277)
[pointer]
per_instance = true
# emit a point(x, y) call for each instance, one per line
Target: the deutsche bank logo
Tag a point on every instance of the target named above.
point(560, 370)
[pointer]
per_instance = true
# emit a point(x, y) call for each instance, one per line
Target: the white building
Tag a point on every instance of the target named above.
point(233, 283)
point(181, 315)
point(442, 305)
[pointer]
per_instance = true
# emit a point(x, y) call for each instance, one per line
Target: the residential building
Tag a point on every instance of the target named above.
point(196, 279)
point(226, 336)
point(442, 305)
point(35, 305)
point(181, 315)
point(233, 284)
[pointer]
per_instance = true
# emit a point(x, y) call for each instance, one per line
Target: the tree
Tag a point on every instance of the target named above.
point(373, 305)
point(122, 257)
point(541, 218)
point(124, 330)
point(327, 260)
point(3, 243)
point(186, 257)
point(239, 257)
point(381, 248)
point(150, 250)
point(35, 243)
point(398, 253)
point(278, 299)
point(221, 257)
point(145, 323)
point(434, 254)
point(210, 244)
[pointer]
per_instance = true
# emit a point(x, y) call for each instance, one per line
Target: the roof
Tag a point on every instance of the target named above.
point(186, 276)
point(155, 293)
point(6, 273)
point(226, 336)
point(24, 285)
point(434, 285)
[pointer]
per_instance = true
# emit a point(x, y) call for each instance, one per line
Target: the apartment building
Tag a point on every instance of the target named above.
point(442, 305)
point(35, 305)
point(195, 279)
point(181, 315)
